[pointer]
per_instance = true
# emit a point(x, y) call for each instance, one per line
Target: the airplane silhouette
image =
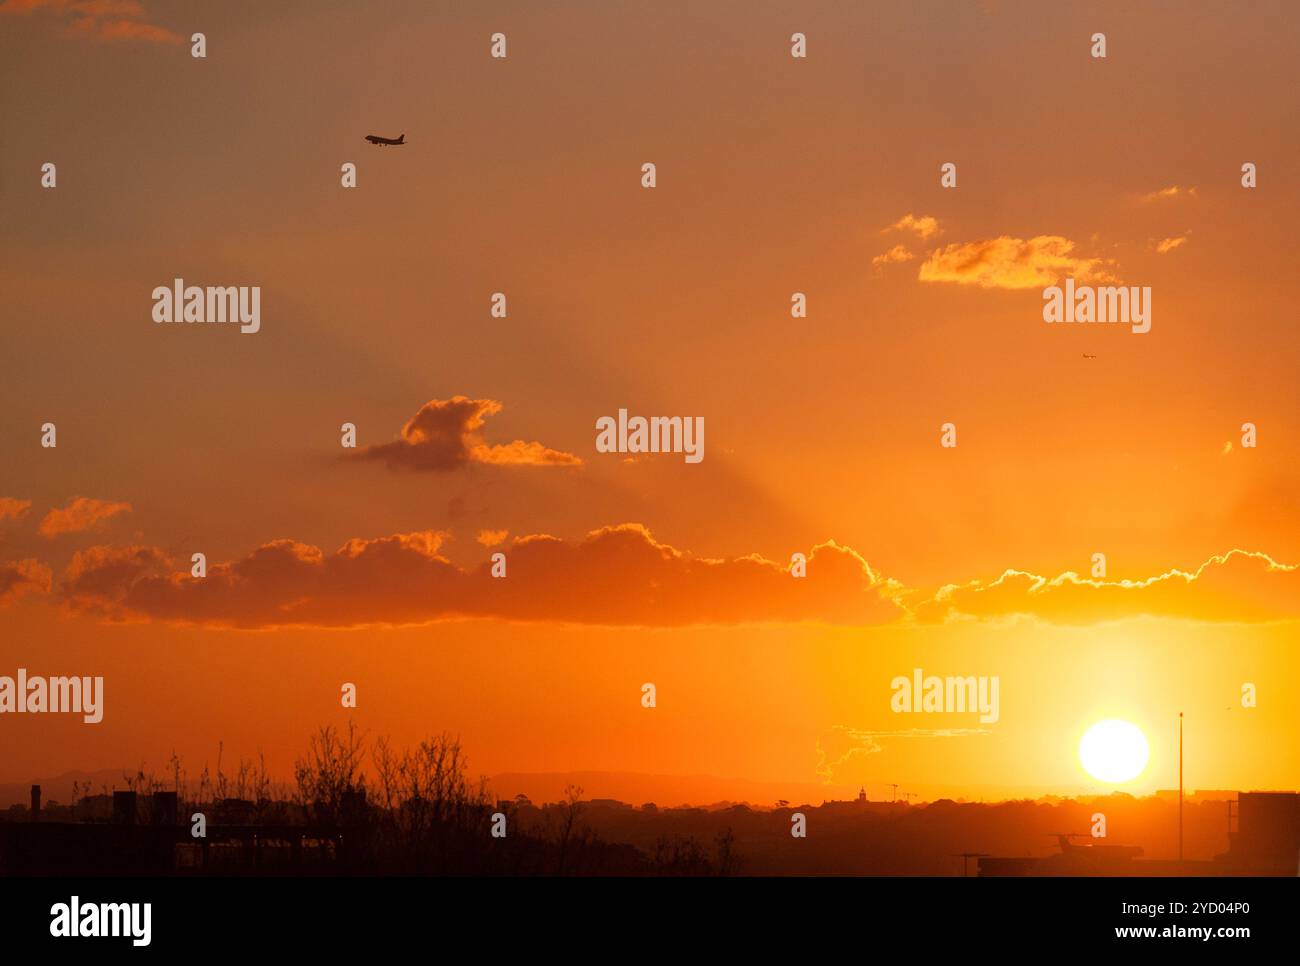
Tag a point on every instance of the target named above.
point(1086, 356)
point(376, 139)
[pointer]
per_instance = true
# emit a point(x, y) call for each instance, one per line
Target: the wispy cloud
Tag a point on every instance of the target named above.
point(1166, 245)
point(82, 513)
point(1171, 193)
point(848, 744)
point(924, 226)
point(1013, 263)
point(898, 253)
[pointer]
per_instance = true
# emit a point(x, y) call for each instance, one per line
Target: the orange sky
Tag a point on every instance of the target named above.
point(775, 176)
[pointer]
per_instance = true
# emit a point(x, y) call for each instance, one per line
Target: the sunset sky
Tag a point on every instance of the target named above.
point(776, 175)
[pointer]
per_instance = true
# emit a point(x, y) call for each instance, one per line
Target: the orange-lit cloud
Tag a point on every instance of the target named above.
point(1166, 245)
point(12, 509)
point(19, 577)
point(1012, 263)
point(99, 19)
point(615, 576)
point(622, 576)
point(925, 226)
point(490, 538)
point(446, 434)
point(1237, 586)
point(898, 253)
point(1169, 194)
point(79, 515)
point(98, 576)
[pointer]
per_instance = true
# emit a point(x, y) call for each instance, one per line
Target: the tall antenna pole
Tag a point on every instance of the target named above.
point(1180, 786)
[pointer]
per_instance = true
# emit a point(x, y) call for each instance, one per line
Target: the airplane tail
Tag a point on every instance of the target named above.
point(401, 139)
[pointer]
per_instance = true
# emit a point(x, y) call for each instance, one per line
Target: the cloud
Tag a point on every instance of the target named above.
point(80, 514)
point(108, 20)
point(11, 509)
point(621, 576)
point(898, 253)
point(1166, 245)
point(1168, 194)
point(446, 434)
point(1238, 586)
point(848, 744)
point(19, 577)
point(1012, 263)
point(98, 576)
point(614, 576)
point(925, 226)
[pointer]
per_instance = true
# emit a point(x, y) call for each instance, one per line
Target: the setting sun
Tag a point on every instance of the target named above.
point(1113, 751)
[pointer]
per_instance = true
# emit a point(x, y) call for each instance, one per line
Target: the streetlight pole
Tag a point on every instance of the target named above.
point(1180, 787)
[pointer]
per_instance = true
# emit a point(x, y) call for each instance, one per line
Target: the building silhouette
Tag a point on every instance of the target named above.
point(1264, 842)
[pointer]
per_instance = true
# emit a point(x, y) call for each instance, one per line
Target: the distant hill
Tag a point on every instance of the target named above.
point(664, 790)
point(704, 791)
point(634, 788)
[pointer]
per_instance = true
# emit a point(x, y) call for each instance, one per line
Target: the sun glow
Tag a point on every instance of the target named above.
point(1113, 751)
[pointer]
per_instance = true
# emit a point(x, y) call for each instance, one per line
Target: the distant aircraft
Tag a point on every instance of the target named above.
point(1086, 356)
point(376, 139)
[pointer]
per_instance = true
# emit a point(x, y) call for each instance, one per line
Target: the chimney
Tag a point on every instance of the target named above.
point(36, 803)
